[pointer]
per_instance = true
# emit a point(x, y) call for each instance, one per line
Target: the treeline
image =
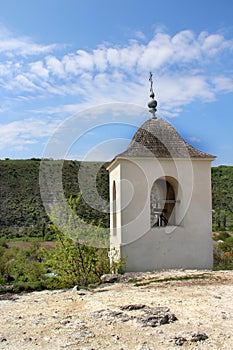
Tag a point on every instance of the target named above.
point(23, 215)
point(222, 198)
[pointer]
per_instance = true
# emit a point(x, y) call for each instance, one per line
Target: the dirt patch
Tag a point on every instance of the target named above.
point(144, 311)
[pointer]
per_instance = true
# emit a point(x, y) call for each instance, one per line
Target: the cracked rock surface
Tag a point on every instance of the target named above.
point(159, 310)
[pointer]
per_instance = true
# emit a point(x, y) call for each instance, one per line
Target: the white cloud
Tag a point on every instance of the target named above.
point(110, 73)
point(100, 59)
point(223, 83)
point(157, 52)
point(84, 60)
point(186, 67)
point(212, 43)
point(113, 57)
point(194, 139)
point(39, 70)
point(15, 45)
point(20, 134)
point(4, 69)
point(54, 66)
point(22, 83)
point(140, 35)
point(76, 63)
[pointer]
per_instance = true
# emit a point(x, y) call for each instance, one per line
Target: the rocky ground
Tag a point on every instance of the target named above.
point(144, 311)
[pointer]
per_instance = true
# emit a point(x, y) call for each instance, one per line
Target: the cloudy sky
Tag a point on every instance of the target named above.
point(74, 74)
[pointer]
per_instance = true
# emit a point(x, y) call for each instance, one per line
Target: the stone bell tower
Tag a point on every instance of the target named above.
point(160, 200)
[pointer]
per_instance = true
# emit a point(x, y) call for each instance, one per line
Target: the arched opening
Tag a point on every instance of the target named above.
point(162, 202)
point(114, 218)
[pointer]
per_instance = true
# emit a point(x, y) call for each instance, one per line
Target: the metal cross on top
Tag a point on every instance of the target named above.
point(152, 95)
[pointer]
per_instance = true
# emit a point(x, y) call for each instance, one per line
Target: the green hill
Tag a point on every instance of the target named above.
point(23, 215)
point(222, 197)
point(22, 211)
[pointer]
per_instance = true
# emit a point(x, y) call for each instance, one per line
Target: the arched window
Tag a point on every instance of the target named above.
point(162, 202)
point(114, 218)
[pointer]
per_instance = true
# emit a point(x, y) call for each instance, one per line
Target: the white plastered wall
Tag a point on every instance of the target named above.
point(115, 232)
point(188, 244)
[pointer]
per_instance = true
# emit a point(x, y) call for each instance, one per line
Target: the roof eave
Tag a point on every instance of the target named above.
point(113, 162)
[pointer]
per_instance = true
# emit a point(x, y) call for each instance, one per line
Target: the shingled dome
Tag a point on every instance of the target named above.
point(157, 138)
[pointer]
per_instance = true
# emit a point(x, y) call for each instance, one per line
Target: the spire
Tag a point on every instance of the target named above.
point(153, 103)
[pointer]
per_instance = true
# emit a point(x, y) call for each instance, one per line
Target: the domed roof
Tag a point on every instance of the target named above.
point(157, 138)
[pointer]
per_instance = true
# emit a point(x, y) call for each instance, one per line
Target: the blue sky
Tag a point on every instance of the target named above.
point(74, 74)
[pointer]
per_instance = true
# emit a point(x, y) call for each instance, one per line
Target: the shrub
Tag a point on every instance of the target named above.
point(75, 263)
point(223, 256)
point(28, 286)
point(221, 236)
